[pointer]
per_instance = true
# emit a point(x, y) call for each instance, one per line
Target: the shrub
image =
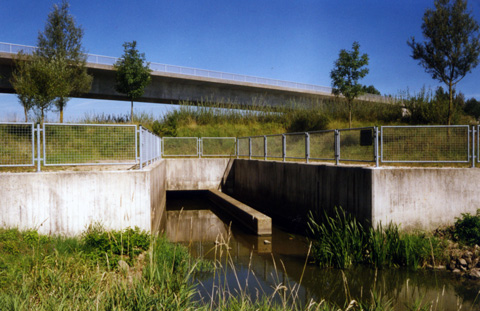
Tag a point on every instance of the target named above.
point(467, 229)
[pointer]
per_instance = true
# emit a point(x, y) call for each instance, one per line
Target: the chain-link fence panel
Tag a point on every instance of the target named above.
point(275, 146)
point(425, 143)
point(295, 145)
point(180, 147)
point(322, 145)
point(89, 144)
point(17, 144)
point(218, 146)
point(357, 144)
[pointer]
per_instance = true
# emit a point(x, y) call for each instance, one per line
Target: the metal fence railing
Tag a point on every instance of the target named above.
point(387, 144)
point(108, 60)
point(17, 144)
point(58, 144)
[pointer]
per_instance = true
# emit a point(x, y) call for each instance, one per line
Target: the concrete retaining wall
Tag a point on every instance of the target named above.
point(424, 198)
point(288, 191)
point(415, 198)
point(196, 174)
point(67, 202)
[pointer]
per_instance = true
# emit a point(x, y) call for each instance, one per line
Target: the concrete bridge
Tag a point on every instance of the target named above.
point(174, 84)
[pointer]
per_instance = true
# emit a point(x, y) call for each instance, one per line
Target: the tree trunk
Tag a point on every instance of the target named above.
point(450, 103)
point(131, 113)
point(43, 115)
point(350, 114)
point(26, 113)
point(61, 114)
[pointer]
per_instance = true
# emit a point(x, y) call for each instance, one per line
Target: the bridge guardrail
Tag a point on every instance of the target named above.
point(109, 60)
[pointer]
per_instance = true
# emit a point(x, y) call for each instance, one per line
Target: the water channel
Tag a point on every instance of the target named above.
point(278, 264)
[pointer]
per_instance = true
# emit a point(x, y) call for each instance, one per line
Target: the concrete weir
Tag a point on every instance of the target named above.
point(67, 202)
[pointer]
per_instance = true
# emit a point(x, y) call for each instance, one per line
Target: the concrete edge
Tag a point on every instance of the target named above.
point(254, 220)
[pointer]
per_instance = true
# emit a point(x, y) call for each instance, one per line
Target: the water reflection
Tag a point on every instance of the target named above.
point(259, 265)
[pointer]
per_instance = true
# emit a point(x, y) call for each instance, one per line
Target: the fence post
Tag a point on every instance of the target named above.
point(38, 147)
point(284, 147)
point(307, 147)
point(140, 145)
point(265, 147)
point(337, 147)
point(473, 146)
point(199, 147)
point(237, 147)
point(249, 148)
point(375, 147)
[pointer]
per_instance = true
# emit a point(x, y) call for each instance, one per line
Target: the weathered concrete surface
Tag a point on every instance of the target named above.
point(158, 195)
point(288, 191)
point(67, 202)
point(255, 221)
point(414, 198)
point(195, 174)
point(424, 197)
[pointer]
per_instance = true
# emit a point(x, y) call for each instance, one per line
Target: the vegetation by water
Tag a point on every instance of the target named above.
point(125, 270)
point(341, 241)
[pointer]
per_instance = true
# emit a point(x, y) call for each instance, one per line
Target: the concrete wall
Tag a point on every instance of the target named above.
point(424, 197)
point(196, 174)
point(288, 191)
point(67, 202)
point(414, 198)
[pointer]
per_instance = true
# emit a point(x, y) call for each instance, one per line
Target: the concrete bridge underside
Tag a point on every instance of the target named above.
point(172, 88)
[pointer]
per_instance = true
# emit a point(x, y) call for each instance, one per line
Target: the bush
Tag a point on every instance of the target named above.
point(467, 229)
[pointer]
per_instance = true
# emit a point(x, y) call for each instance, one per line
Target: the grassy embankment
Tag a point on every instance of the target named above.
point(128, 270)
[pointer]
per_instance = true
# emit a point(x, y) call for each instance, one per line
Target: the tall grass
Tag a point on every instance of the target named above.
point(341, 241)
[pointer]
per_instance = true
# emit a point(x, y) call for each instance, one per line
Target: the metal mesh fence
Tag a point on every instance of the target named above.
point(295, 145)
point(322, 145)
point(17, 144)
point(243, 146)
point(357, 145)
point(258, 146)
point(151, 147)
point(425, 144)
point(180, 147)
point(89, 144)
point(218, 146)
point(275, 146)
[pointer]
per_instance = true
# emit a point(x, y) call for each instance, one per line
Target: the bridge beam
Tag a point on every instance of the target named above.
point(172, 88)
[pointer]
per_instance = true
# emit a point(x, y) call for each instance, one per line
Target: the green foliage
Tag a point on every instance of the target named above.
point(303, 120)
point(349, 68)
point(108, 247)
point(467, 229)
point(472, 107)
point(61, 42)
point(133, 73)
point(370, 90)
point(428, 108)
point(341, 241)
point(452, 44)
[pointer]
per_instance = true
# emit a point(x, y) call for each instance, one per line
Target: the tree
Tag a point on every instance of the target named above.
point(370, 90)
point(60, 42)
point(452, 45)
point(37, 82)
point(133, 73)
point(348, 69)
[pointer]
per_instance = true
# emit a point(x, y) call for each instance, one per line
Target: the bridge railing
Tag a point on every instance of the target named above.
point(108, 60)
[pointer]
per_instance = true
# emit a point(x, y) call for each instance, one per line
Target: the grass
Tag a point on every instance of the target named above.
point(341, 241)
point(85, 272)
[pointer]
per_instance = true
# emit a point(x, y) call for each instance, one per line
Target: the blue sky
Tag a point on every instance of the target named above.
point(295, 40)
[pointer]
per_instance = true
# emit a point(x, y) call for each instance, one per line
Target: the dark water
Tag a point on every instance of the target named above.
point(278, 264)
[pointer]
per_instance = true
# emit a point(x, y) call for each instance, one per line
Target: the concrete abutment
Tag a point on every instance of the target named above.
point(67, 202)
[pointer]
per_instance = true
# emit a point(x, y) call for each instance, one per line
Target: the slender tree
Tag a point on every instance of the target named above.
point(452, 45)
point(61, 42)
point(133, 73)
point(37, 82)
point(348, 69)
